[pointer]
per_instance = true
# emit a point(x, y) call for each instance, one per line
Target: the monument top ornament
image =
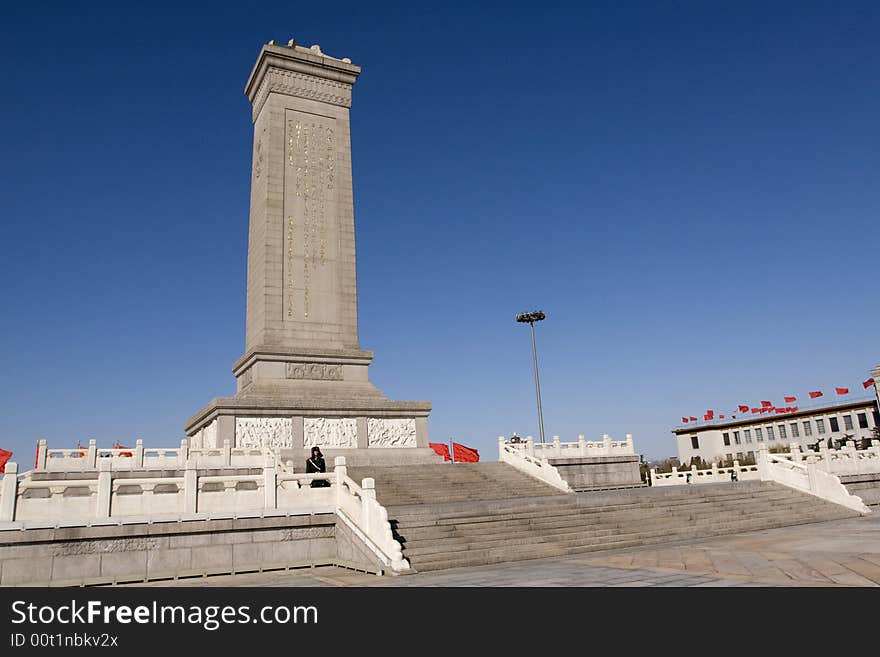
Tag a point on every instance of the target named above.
point(302, 358)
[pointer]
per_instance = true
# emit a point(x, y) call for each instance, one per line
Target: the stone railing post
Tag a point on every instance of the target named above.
point(41, 454)
point(606, 444)
point(530, 445)
point(270, 483)
point(341, 472)
point(227, 452)
point(92, 454)
point(190, 487)
point(582, 445)
point(795, 450)
point(653, 474)
point(763, 463)
point(714, 471)
point(557, 450)
point(500, 446)
point(183, 454)
point(138, 453)
point(8, 493)
point(368, 486)
point(811, 474)
point(105, 488)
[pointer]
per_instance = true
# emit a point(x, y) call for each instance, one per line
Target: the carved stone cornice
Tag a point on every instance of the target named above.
point(302, 85)
point(302, 72)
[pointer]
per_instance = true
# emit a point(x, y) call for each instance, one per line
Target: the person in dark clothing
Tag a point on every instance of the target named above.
point(315, 463)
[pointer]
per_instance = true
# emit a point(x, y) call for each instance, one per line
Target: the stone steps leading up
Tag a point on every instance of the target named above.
point(474, 532)
point(450, 482)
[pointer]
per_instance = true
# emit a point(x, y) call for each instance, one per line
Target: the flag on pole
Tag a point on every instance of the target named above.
point(766, 404)
point(442, 449)
point(685, 420)
point(867, 384)
point(842, 391)
point(815, 393)
point(4, 457)
point(693, 419)
point(464, 454)
point(744, 409)
point(788, 400)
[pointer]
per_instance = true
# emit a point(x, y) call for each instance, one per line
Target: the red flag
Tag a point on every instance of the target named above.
point(118, 446)
point(842, 391)
point(744, 409)
point(684, 419)
point(4, 457)
point(442, 449)
point(766, 404)
point(815, 393)
point(693, 419)
point(793, 409)
point(867, 384)
point(464, 454)
point(721, 416)
point(755, 411)
point(788, 400)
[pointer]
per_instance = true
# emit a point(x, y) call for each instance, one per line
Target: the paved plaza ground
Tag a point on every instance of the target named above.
point(836, 553)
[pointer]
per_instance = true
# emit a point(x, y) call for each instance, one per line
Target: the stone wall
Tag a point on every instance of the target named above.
point(599, 471)
point(76, 556)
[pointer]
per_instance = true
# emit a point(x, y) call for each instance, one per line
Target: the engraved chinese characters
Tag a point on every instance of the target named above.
point(315, 371)
point(310, 168)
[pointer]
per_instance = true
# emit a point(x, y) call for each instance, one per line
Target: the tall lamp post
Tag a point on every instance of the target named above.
point(531, 318)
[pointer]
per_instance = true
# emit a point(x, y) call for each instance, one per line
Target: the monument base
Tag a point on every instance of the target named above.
point(597, 472)
point(366, 432)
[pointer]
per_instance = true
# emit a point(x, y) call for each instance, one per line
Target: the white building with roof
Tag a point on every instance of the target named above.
point(852, 417)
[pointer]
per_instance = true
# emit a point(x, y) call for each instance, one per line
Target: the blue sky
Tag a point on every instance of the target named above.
point(689, 190)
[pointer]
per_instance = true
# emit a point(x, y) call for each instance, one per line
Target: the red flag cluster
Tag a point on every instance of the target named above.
point(768, 407)
point(4, 457)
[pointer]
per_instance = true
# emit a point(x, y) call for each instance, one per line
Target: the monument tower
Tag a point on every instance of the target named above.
point(303, 378)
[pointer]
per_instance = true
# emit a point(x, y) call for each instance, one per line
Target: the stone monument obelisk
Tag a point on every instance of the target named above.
point(303, 379)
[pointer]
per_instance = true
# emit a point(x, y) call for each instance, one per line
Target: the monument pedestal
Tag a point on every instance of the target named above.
point(303, 379)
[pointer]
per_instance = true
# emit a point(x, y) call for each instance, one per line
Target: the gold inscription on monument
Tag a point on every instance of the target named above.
point(310, 153)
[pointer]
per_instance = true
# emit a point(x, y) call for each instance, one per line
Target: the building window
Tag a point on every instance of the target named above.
point(759, 435)
point(726, 437)
point(794, 430)
point(728, 457)
point(695, 442)
point(739, 456)
point(751, 455)
point(782, 434)
point(770, 435)
point(820, 425)
point(863, 421)
point(876, 418)
point(808, 430)
point(835, 425)
point(736, 437)
point(747, 434)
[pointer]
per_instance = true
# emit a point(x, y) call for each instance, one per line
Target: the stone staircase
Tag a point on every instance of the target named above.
point(866, 486)
point(465, 530)
point(439, 483)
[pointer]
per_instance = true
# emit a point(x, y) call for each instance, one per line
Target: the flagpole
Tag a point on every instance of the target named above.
point(451, 452)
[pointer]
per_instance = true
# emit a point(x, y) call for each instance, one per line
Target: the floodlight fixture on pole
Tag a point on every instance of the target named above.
point(531, 318)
